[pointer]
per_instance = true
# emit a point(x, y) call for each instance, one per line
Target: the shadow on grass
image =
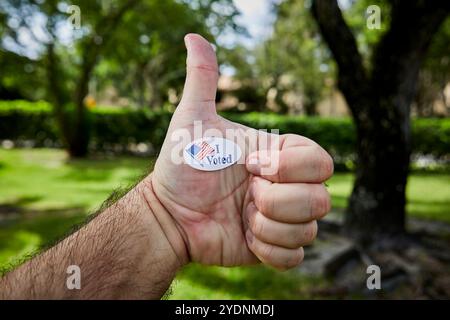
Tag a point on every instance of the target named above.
point(101, 169)
point(17, 205)
point(255, 282)
point(31, 230)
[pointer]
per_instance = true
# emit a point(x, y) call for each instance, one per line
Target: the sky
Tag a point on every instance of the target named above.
point(256, 18)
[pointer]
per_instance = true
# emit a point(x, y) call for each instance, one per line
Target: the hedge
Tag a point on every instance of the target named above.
point(33, 121)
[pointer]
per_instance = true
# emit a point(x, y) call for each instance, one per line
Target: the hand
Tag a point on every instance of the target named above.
point(238, 215)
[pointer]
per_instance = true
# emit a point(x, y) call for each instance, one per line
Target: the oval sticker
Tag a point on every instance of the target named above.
point(211, 153)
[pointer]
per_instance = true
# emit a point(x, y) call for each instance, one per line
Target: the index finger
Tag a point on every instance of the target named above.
point(303, 163)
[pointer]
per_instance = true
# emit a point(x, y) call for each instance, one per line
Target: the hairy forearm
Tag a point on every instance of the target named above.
point(124, 252)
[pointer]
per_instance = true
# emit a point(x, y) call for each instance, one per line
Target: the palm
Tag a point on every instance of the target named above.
point(208, 206)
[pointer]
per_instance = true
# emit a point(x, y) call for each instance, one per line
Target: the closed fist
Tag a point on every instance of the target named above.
point(263, 208)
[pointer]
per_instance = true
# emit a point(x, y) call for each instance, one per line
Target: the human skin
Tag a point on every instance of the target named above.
point(240, 215)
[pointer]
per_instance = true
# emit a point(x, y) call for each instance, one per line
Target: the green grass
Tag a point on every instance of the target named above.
point(43, 179)
point(428, 194)
point(254, 282)
point(43, 195)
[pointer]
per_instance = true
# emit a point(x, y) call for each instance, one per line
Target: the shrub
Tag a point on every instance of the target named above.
point(22, 120)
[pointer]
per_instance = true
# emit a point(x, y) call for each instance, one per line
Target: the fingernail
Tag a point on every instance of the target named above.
point(253, 164)
point(248, 212)
point(249, 236)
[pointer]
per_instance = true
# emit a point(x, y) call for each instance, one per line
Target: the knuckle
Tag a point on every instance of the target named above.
point(310, 232)
point(282, 167)
point(295, 237)
point(202, 68)
point(268, 203)
point(294, 260)
point(321, 203)
point(266, 252)
point(257, 225)
point(326, 166)
point(259, 200)
point(300, 256)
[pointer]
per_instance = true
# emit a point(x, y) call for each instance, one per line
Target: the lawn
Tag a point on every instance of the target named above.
point(428, 194)
point(43, 194)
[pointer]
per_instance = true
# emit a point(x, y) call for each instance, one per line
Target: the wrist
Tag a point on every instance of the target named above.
point(170, 231)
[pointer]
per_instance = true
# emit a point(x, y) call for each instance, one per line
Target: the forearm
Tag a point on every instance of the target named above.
point(124, 252)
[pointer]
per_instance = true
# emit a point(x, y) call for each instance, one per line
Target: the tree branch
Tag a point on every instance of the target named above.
point(343, 46)
point(403, 48)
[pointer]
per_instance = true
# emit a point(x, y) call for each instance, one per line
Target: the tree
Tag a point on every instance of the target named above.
point(151, 58)
point(291, 61)
point(19, 77)
point(294, 51)
point(435, 74)
point(70, 64)
point(379, 98)
point(67, 80)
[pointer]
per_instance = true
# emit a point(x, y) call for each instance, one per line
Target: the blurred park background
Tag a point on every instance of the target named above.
point(87, 88)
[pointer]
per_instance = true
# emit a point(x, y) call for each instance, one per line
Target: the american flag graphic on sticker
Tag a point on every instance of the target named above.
point(199, 152)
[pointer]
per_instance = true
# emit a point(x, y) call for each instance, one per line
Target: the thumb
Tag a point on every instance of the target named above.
point(201, 72)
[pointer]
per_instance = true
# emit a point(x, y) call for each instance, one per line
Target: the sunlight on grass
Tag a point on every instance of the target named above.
point(428, 194)
point(340, 187)
point(253, 282)
point(54, 182)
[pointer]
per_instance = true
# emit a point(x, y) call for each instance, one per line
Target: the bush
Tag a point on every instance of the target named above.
point(23, 120)
point(337, 135)
point(112, 127)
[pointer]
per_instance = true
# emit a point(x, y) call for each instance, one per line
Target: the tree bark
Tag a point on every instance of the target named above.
point(380, 105)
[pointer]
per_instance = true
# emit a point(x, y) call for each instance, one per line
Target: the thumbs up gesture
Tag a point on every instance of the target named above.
point(262, 208)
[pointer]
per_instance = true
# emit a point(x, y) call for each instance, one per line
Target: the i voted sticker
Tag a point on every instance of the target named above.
point(211, 153)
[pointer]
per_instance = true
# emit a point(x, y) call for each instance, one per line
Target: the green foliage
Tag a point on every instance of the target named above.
point(114, 128)
point(367, 39)
point(134, 46)
point(334, 134)
point(23, 120)
point(20, 77)
point(292, 64)
point(431, 136)
point(295, 51)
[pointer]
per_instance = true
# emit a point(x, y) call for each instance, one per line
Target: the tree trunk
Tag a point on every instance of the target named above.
point(79, 142)
point(73, 127)
point(377, 204)
point(310, 108)
point(80, 137)
point(380, 105)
